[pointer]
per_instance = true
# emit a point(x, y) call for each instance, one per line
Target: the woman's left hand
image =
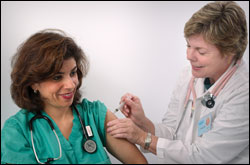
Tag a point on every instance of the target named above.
point(125, 128)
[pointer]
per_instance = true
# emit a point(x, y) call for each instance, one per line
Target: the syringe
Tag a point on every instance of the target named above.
point(119, 108)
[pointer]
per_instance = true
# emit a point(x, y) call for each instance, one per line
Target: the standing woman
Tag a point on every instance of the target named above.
point(207, 120)
point(54, 126)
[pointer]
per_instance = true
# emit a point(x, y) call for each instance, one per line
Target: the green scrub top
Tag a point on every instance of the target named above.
point(16, 146)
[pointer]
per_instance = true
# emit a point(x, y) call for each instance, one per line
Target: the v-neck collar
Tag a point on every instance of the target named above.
point(66, 144)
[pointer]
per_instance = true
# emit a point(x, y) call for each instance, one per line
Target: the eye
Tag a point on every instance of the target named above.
point(188, 46)
point(73, 73)
point(201, 53)
point(57, 77)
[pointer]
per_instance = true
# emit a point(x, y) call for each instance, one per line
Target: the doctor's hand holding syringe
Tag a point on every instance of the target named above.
point(136, 124)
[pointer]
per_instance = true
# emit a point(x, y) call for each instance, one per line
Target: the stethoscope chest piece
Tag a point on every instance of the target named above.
point(208, 100)
point(89, 146)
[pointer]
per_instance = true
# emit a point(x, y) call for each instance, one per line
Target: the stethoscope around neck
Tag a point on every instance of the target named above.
point(89, 145)
point(208, 100)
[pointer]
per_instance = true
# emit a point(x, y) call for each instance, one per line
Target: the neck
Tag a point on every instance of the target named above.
point(219, 73)
point(59, 114)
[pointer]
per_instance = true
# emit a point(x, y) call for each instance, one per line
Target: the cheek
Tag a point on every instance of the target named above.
point(187, 53)
point(46, 90)
point(76, 81)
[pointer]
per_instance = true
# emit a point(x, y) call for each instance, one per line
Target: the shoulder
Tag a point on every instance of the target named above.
point(239, 82)
point(19, 119)
point(92, 106)
point(17, 125)
point(242, 73)
point(95, 109)
point(15, 137)
point(234, 97)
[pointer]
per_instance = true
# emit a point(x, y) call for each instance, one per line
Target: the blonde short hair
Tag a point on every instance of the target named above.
point(222, 24)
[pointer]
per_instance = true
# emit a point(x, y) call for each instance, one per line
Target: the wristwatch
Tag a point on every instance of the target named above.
point(147, 141)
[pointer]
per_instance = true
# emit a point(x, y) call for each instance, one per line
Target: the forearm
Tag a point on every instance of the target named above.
point(147, 126)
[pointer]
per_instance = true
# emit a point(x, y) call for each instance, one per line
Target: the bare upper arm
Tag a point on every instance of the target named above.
point(122, 149)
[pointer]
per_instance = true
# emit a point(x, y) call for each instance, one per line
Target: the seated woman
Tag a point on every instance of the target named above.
point(54, 126)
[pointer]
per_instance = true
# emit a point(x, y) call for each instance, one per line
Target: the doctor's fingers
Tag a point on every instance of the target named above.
point(129, 96)
point(116, 121)
point(120, 130)
point(118, 124)
point(126, 135)
point(125, 130)
point(132, 106)
point(125, 111)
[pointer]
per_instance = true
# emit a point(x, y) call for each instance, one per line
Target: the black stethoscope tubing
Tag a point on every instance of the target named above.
point(82, 124)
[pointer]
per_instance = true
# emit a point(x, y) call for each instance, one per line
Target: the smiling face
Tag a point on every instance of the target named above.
point(206, 59)
point(59, 91)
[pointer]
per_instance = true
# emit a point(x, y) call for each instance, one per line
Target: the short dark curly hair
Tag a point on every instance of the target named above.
point(40, 58)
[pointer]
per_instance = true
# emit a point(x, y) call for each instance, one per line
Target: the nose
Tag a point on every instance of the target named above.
point(70, 82)
point(191, 54)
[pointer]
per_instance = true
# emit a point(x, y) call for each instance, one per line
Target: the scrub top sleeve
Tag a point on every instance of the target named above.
point(15, 148)
point(99, 111)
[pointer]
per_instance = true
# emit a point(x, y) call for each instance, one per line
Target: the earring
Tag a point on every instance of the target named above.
point(35, 91)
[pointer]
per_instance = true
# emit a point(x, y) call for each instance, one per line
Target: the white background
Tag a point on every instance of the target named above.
point(135, 47)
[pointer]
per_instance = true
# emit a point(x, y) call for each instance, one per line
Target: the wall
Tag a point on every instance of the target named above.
point(135, 47)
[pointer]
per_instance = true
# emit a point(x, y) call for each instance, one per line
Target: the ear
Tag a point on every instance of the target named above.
point(35, 86)
point(230, 57)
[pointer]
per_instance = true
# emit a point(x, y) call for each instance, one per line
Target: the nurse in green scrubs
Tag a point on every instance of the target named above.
point(47, 74)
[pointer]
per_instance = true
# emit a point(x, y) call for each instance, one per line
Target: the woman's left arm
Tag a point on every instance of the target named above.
point(122, 149)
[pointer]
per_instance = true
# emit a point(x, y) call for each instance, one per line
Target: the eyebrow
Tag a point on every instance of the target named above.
point(71, 70)
point(198, 48)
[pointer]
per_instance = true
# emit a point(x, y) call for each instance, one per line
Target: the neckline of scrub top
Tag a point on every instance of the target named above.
point(66, 144)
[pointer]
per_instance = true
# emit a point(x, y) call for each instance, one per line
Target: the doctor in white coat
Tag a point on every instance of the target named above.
point(207, 120)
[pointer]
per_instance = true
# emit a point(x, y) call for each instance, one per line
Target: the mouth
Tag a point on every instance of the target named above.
point(196, 67)
point(67, 96)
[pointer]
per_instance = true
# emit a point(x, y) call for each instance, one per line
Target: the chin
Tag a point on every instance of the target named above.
point(196, 75)
point(67, 104)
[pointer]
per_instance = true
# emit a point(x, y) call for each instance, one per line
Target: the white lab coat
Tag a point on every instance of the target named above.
point(228, 139)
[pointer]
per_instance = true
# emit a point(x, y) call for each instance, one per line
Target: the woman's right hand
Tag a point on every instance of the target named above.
point(133, 109)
